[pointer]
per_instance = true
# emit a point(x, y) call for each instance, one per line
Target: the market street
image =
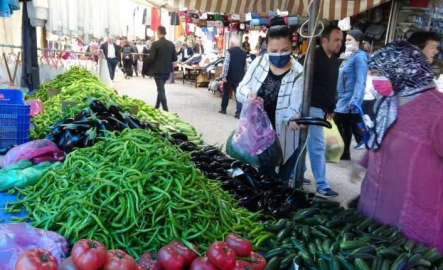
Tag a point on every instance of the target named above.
point(199, 107)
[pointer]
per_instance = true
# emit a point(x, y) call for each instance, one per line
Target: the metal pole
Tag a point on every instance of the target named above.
point(307, 89)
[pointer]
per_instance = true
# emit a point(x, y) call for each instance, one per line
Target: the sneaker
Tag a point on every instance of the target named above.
point(306, 182)
point(326, 193)
point(360, 146)
point(222, 112)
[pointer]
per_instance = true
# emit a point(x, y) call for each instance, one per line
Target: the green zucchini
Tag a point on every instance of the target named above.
point(365, 224)
point(323, 265)
point(318, 244)
point(361, 264)
point(364, 249)
point(334, 223)
point(305, 232)
point(346, 265)
point(312, 249)
point(349, 245)
point(274, 263)
point(400, 262)
point(376, 264)
point(275, 227)
point(374, 227)
point(334, 263)
point(306, 258)
point(298, 245)
point(326, 231)
point(326, 246)
point(343, 214)
point(363, 256)
point(409, 245)
point(286, 262)
point(335, 248)
point(413, 261)
point(284, 233)
point(388, 253)
point(386, 265)
point(275, 253)
point(400, 242)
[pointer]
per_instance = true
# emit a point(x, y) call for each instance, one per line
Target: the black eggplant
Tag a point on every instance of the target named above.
point(236, 164)
point(97, 106)
point(74, 142)
point(82, 115)
point(228, 185)
point(179, 136)
point(223, 178)
point(115, 110)
point(133, 122)
point(244, 190)
point(223, 159)
point(116, 124)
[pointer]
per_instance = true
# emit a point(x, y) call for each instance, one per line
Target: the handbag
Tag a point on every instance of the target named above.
point(263, 22)
point(194, 15)
point(211, 17)
point(235, 17)
point(375, 32)
point(218, 17)
point(242, 26)
point(248, 17)
point(255, 22)
point(272, 14)
point(234, 27)
point(255, 15)
point(204, 16)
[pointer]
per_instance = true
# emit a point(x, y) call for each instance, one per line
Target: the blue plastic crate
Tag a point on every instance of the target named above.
point(11, 96)
point(14, 124)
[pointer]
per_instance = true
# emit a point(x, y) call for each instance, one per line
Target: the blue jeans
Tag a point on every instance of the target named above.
point(316, 150)
point(112, 65)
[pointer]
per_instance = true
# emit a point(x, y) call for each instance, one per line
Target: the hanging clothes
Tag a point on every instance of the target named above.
point(30, 73)
point(72, 6)
point(7, 7)
point(155, 19)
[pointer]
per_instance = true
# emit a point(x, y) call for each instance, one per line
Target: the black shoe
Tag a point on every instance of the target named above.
point(237, 116)
point(346, 157)
point(222, 112)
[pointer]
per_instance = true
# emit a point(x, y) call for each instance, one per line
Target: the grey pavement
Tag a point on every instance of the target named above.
point(200, 107)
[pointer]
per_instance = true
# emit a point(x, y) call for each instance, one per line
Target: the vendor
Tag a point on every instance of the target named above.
point(403, 186)
point(185, 52)
point(277, 78)
point(198, 46)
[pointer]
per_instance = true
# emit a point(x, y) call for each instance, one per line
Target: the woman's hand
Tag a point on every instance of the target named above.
point(252, 95)
point(293, 125)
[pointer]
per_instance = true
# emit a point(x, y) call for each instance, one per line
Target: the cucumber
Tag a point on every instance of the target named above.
point(325, 257)
point(400, 262)
point(424, 263)
point(318, 234)
point(306, 235)
point(318, 244)
point(432, 255)
point(275, 253)
point(312, 249)
point(349, 245)
point(361, 264)
point(400, 242)
point(284, 233)
point(334, 223)
point(365, 224)
point(323, 265)
point(334, 263)
point(419, 249)
point(326, 246)
point(287, 240)
point(308, 212)
point(348, 237)
point(363, 256)
point(327, 204)
point(343, 214)
point(356, 218)
point(380, 230)
point(388, 253)
point(386, 265)
point(413, 261)
point(286, 262)
point(335, 248)
point(326, 231)
point(298, 245)
point(348, 228)
point(374, 227)
point(305, 258)
point(388, 232)
point(409, 245)
point(440, 267)
point(376, 264)
point(274, 263)
point(275, 227)
point(346, 265)
point(364, 249)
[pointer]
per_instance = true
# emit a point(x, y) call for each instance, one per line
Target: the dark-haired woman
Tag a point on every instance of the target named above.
point(277, 78)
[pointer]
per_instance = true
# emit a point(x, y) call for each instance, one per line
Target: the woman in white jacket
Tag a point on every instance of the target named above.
point(276, 77)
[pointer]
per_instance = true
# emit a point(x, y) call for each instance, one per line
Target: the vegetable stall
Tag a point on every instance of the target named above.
point(138, 189)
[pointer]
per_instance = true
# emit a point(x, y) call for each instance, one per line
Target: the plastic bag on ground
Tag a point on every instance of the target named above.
point(37, 106)
point(23, 174)
point(334, 144)
point(37, 151)
point(18, 237)
point(254, 141)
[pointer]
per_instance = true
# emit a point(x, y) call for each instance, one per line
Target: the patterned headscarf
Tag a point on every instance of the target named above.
point(410, 74)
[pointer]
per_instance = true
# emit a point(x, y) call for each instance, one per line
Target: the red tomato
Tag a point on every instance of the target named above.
point(146, 267)
point(68, 264)
point(260, 261)
point(241, 246)
point(170, 259)
point(188, 255)
point(119, 260)
point(202, 263)
point(36, 259)
point(242, 265)
point(149, 260)
point(222, 255)
point(88, 254)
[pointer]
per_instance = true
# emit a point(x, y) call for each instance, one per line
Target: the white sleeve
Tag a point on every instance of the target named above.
point(245, 85)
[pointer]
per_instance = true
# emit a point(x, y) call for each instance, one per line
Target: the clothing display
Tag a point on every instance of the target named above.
point(7, 7)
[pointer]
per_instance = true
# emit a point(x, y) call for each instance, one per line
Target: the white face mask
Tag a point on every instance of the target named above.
point(350, 47)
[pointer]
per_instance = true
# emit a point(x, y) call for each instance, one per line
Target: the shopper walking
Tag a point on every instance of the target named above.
point(112, 55)
point(351, 89)
point(135, 57)
point(403, 186)
point(246, 46)
point(277, 78)
point(128, 59)
point(234, 67)
point(147, 69)
point(162, 57)
point(324, 90)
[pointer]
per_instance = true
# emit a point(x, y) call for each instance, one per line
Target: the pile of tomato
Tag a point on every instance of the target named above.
point(234, 253)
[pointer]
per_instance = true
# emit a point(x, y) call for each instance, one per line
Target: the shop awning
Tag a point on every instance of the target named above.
point(331, 9)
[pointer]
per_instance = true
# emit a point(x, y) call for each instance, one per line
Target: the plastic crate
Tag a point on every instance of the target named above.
point(11, 96)
point(14, 124)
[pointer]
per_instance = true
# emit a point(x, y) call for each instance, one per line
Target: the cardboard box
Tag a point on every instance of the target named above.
point(68, 104)
point(53, 92)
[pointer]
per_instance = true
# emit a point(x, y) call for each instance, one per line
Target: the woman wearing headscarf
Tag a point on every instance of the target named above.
point(403, 185)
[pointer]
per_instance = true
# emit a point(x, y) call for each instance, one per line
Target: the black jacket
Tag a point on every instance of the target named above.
point(324, 87)
point(104, 48)
point(162, 55)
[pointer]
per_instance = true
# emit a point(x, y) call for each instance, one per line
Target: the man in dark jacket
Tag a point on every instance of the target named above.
point(112, 55)
point(198, 46)
point(323, 102)
point(233, 71)
point(163, 56)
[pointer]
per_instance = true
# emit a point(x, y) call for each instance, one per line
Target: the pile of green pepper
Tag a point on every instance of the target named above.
point(134, 191)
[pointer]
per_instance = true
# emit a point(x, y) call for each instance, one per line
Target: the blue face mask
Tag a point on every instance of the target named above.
point(279, 60)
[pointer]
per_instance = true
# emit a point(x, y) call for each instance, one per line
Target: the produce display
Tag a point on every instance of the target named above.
point(327, 236)
point(137, 192)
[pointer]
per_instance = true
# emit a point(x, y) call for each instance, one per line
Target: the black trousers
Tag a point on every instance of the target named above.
point(135, 64)
point(160, 80)
point(347, 124)
point(127, 64)
point(226, 91)
point(368, 108)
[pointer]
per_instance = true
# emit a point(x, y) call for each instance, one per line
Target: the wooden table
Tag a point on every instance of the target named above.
point(190, 73)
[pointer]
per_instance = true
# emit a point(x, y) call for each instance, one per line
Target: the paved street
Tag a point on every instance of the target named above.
point(200, 107)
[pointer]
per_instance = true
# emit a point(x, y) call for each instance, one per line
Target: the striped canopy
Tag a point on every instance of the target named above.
point(331, 9)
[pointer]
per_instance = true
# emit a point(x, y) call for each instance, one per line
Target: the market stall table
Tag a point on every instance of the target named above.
point(190, 73)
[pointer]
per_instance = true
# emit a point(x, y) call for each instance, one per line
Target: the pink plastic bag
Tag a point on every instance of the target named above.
point(18, 237)
point(254, 132)
point(37, 106)
point(37, 151)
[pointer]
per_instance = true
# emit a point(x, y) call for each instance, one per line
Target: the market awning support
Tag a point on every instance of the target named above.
point(307, 90)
